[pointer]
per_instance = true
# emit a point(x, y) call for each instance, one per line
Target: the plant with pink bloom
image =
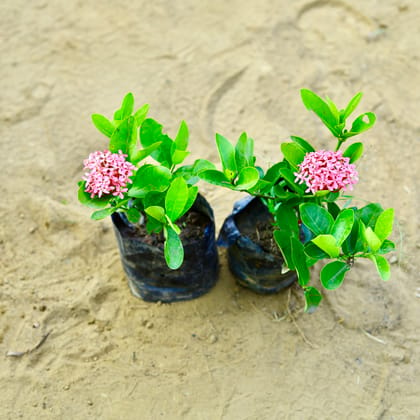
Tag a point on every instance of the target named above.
point(117, 180)
point(302, 191)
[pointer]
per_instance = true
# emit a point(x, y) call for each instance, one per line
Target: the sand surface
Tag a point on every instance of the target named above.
point(223, 66)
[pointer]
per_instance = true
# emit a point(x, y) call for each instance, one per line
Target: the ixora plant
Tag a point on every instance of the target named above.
point(156, 195)
point(301, 193)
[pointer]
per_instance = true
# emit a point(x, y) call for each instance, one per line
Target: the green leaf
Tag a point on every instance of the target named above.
point(176, 198)
point(122, 138)
point(95, 203)
point(343, 226)
point(216, 177)
point(312, 299)
point(103, 124)
point(192, 196)
point(333, 209)
point(283, 241)
point(247, 178)
point(156, 212)
point(293, 153)
point(244, 152)
point(173, 249)
point(316, 218)
point(372, 239)
point(178, 156)
point(306, 146)
point(328, 244)
point(133, 215)
point(289, 177)
point(382, 266)
point(150, 178)
point(351, 106)
point(354, 151)
point(360, 125)
point(314, 103)
point(332, 274)
point(150, 133)
point(153, 225)
point(153, 198)
point(314, 252)
point(101, 214)
point(370, 213)
point(226, 153)
point(287, 220)
point(139, 155)
point(387, 246)
point(127, 106)
point(361, 244)
point(141, 114)
point(273, 172)
point(299, 261)
point(181, 139)
point(384, 224)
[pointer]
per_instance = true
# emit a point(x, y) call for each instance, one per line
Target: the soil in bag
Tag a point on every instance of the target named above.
point(253, 255)
point(143, 260)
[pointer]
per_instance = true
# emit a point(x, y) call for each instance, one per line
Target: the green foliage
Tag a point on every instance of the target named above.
point(161, 192)
point(332, 274)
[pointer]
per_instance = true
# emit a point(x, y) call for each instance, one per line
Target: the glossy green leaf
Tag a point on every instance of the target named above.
point(343, 225)
point(333, 209)
point(316, 218)
point(283, 241)
point(372, 239)
point(192, 196)
point(289, 177)
point(156, 212)
point(328, 244)
point(387, 246)
point(384, 224)
point(133, 215)
point(305, 145)
point(293, 153)
point(141, 114)
point(215, 177)
point(286, 219)
point(299, 261)
point(178, 156)
point(181, 139)
point(176, 198)
point(360, 124)
point(332, 274)
point(150, 178)
point(314, 252)
point(314, 103)
point(141, 154)
point(370, 213)
point(313, 298)
point(103, 124)
point(354, 151)
point(127, 106)
point(351, 106)
point(122, 138)
point(173, 249)
point(85, 199)
point(382, 266)
point(101, 214)
point(244, 152)
point(247, 178)
point(150, 133)
point(226, 153)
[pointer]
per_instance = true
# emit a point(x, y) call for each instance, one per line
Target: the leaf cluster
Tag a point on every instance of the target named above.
point(160, 194)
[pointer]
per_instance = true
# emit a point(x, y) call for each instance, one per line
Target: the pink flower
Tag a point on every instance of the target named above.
point(326, 170)
point(109, 173)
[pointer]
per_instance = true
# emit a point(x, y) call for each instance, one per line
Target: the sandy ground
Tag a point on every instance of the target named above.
point(223, 66)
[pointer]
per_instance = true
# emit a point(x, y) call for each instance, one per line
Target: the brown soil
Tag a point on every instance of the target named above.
point(263, 236)
point(192, 225)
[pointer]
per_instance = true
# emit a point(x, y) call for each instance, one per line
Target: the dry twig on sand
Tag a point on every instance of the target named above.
point(12, 353)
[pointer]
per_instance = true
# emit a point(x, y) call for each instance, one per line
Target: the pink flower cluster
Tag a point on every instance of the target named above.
point(326, 170)
point(109, 173)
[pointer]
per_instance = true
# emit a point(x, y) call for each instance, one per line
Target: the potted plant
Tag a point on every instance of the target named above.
point(300, 194)
point(164, 227)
